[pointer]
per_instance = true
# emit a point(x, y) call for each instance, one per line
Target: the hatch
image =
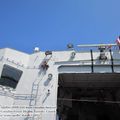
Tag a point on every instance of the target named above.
point(88, 96)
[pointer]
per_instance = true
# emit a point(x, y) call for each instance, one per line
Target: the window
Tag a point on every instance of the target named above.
point(10, 76)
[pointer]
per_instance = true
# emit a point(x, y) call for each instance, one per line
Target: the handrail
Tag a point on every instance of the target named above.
point(17, 96)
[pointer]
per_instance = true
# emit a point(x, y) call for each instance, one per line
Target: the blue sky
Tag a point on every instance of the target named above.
point(51, 24)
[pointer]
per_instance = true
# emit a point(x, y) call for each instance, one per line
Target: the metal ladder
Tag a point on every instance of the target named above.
point(34, 92)
point(35, 88)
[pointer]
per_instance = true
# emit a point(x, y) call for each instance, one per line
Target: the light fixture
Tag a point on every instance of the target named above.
point(50, 76)
point(48, 92)
point(48, 53)
point(36, 49)
point(69, 46)
point(73, 55)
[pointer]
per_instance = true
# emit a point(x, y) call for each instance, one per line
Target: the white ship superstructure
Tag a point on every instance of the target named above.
point(60, 84)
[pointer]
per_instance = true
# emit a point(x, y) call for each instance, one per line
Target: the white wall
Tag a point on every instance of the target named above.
point(33, 73)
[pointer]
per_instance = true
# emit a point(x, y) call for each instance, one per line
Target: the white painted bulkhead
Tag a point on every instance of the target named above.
point(33, 74)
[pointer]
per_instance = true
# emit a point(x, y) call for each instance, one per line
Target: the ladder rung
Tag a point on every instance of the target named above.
point(34, 89)
point(35, 84)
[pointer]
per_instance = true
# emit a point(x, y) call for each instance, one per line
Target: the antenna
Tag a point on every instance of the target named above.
point(96, 45)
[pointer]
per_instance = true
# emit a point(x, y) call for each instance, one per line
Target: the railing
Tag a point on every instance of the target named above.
point(9, 92)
